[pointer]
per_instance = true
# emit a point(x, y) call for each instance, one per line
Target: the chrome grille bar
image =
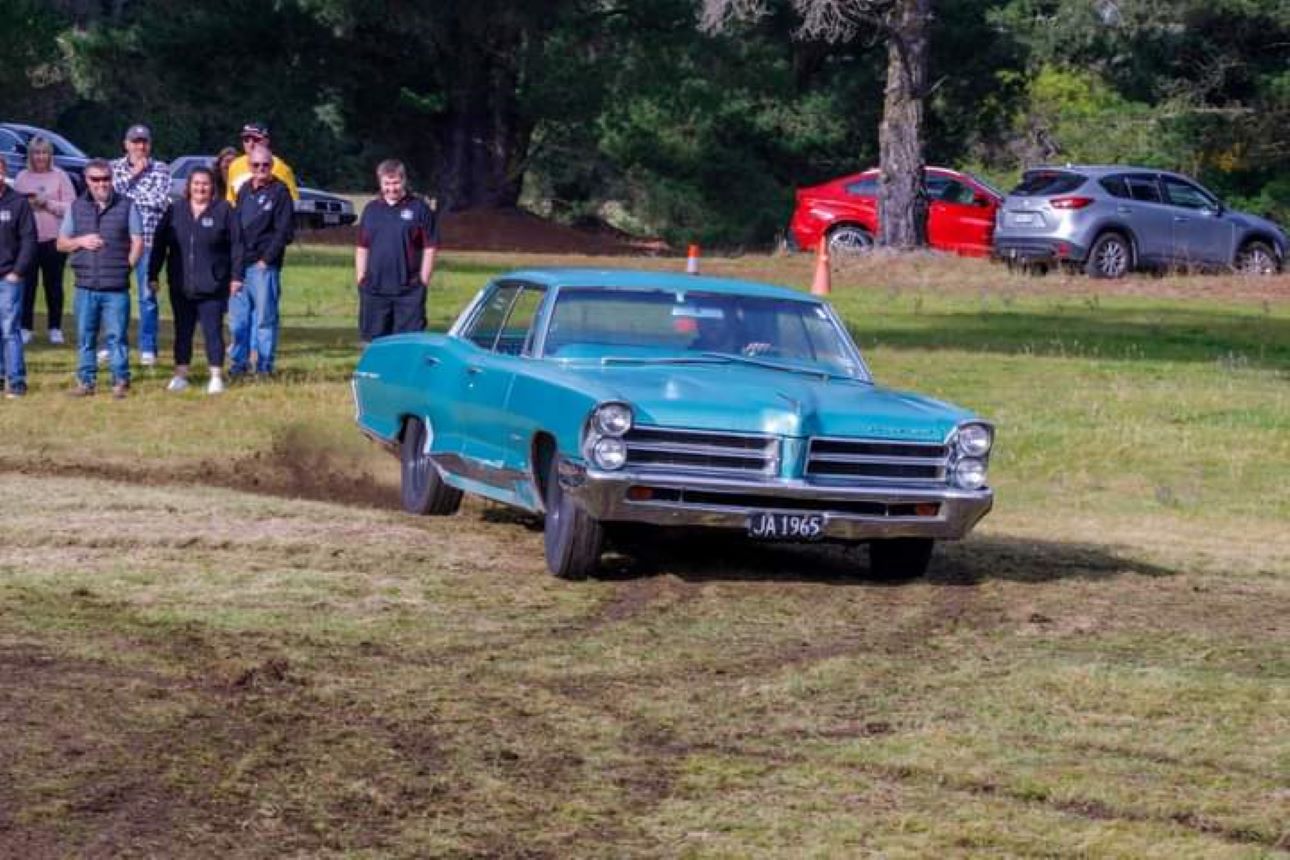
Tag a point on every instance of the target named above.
point(879, 460)
point(702, 451)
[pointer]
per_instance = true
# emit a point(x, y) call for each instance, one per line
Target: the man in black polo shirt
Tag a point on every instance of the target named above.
point(394, 260)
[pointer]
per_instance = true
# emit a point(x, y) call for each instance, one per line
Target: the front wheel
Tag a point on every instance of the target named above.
point(1110, 257)
point(849, 241)
point(572, 538)
point(422, 490)
point(1256, 258)
point(896, 559)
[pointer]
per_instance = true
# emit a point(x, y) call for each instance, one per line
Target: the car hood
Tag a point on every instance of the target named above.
point(760, 400)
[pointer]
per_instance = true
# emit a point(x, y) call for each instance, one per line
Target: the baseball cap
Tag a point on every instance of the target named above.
point(255, 129)
point(138, 131)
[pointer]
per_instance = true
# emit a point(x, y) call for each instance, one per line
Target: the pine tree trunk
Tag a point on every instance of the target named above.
point(902, 205)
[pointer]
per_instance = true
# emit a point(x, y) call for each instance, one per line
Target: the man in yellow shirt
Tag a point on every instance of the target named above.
point(257, 134)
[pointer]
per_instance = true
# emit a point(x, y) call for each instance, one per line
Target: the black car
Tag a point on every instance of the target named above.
point(314, 209)
point(14, 138)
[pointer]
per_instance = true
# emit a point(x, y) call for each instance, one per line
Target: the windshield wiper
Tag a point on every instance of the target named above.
point(705, 358)
point(775, 365)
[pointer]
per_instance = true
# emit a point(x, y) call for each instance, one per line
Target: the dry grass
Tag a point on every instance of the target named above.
point(217, 637)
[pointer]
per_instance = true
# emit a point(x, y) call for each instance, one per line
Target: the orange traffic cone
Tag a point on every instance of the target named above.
point(692, 260)
point(822, 284)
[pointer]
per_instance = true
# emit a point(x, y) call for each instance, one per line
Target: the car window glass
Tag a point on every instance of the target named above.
point(1043, 183)
point(1143, 188)
point(487, 324)
point(10, 142)
point(1114, 186)
point(517, 334)
point(867, 187)
point(953, 191)
point(1185, 194)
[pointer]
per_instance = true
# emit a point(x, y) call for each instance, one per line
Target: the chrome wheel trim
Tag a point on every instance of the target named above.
point(1113, 258)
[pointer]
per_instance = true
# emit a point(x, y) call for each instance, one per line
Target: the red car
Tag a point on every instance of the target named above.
point(960, 215)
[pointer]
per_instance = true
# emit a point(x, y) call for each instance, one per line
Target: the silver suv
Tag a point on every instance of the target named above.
point(1112, 220)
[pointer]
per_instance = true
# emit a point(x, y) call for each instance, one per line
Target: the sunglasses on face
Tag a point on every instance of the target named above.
point(261, 165)
point(251, 138)
point(98, 179)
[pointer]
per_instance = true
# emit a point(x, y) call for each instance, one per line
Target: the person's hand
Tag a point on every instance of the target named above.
point(261, 265)
point(38, 200)
point(235, 287)
point(13, 278)
point(152, 286)
point(90, 241)
point(756, 348)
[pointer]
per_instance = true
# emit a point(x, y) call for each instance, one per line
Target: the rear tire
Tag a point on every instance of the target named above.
point(898, 559)
point(1256, 258)
point(1111, 257)
point(572, 538)
point(422, 491)
point(849, 240)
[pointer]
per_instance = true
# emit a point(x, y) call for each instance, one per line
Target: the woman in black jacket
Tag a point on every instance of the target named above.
point(199, 241)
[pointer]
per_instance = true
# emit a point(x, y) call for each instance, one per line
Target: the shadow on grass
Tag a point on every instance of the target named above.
point(718, 557)
point(1160, 334)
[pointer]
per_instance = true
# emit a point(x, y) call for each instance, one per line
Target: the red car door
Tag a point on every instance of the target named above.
point(960, 216)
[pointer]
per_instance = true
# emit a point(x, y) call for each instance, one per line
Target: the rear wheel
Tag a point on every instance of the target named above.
point(1256, 258)
point(848, 240)
point(572, 538)
point(895, 559)
point(1110, 257)
point(422, 490)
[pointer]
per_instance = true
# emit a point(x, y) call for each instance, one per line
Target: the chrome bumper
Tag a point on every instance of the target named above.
point(851, 512)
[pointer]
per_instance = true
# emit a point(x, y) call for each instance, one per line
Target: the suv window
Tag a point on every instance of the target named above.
point(487, 324)
point(1143, 188)
point(1114, 186)
point(950, 191)
point(867, 187)
point(1043, 183)
point(1185, 194)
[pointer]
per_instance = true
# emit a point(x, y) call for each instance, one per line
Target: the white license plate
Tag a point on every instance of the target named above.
point(331, 219)
point(1023, 218)
point(794, 527)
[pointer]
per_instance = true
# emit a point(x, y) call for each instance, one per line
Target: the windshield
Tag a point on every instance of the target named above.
point(668, 324)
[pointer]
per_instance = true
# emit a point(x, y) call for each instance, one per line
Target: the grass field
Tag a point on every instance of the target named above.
point(219, 636)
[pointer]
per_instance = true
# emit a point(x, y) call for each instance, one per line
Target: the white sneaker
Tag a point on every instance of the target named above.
point(26, 336)
point(177, 383)
point(56, 336)
point(216, 385)
point(148, 359)
point(103, 357)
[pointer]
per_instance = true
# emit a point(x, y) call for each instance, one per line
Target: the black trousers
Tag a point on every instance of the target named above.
point(188, 312)
point(49, 268)
point(379, 315)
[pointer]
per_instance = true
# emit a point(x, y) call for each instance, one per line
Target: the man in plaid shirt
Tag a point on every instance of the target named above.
point(147, 182)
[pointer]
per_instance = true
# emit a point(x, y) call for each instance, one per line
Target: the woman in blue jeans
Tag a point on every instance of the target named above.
point(199, 242)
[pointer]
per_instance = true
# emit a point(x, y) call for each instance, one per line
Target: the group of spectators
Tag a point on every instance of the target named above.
point(222, 249)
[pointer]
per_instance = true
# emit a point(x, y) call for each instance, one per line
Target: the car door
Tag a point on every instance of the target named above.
point(1148, 216)
point(1200, 235)
point(959, 217)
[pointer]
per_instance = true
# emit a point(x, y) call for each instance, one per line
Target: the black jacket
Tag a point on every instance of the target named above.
point(107, 269)
point(17, 234)
point(201, 255)
point(267, 217)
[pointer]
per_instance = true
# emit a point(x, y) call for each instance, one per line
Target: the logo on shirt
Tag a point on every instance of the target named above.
point(208, 222)
point(406, 214)
point(6, 215)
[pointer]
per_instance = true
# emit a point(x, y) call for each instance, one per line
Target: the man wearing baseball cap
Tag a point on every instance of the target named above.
point(257, 134)
point(146, 181)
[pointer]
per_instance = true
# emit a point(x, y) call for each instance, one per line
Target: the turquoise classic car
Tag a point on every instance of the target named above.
point(600, 398)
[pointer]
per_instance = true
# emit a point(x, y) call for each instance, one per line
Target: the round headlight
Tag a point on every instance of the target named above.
point(969, 473)
point(612, 419)
point(975, 440)
point(610, 453)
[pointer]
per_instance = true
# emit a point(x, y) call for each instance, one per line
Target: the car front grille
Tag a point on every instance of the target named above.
point(877, 460)
point(702, 451)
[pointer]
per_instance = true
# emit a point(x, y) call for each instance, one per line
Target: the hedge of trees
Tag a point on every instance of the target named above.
point(629, 110)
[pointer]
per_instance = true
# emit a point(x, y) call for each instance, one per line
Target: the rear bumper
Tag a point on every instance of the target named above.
point(852, 513)
point(1036, 250)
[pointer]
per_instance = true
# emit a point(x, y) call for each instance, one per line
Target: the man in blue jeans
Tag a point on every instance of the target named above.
point(146, 181)
point(103, 232)
point(17, 257)
point(266, 215)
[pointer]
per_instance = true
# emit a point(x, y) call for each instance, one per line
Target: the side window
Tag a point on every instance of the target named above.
point(867, 187)
point(1143, 188)
point(487, 324)
point(1185, 194)
point(956, 192)
point(1114, 186)
point(517, 334)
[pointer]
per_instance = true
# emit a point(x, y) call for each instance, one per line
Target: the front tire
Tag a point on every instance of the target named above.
point(572, 538)
point(849, 240)
point(898, 559)
point(1256, 258)
point(1111, 257)
point(422, 491)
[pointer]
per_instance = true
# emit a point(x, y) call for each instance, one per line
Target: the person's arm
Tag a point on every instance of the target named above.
point(427, 265)
point(26, 241)
point(360, 264)
point(362, 247)
point(431, 240)
point(160, 248)
point(62, 201)
point(237, 250)
point(66, 242)
point(283, 215)
point(136, 236)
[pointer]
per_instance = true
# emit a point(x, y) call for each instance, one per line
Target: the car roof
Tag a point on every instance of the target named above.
point(1098, 170)
point(637, 279)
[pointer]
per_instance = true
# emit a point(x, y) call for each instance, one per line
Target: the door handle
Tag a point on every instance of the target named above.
point(1178, 219)
point(474, 370)
point(430, 360)
point(1123, 210)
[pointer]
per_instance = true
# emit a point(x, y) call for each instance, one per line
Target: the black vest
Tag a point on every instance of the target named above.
point(107, 269)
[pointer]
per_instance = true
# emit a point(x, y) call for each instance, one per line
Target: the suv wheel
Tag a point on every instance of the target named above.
point(1256, 258)
point(1110, 257)
point(849, 240)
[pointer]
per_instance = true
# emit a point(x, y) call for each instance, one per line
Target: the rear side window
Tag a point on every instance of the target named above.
point(1143, 188)
point(1043, 183)
point(1114, 186)
point(867, 187)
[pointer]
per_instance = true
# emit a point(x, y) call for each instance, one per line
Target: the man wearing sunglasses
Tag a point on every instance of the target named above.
point(266, 216)
point(239, 170)
point(146, 181)
point(103, 231)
